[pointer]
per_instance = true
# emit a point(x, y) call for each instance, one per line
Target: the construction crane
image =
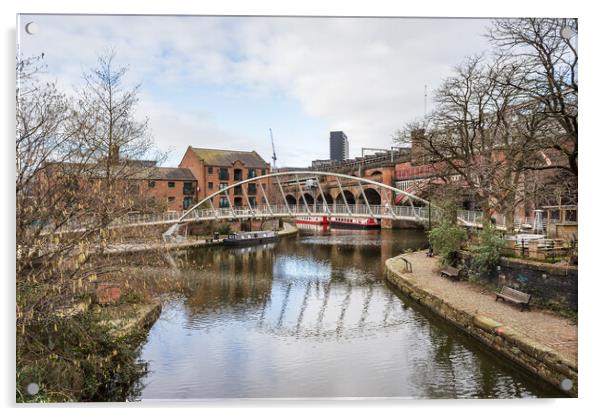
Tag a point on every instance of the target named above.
point(273, 151)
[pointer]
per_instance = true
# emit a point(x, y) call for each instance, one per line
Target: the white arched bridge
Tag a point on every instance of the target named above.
point(313, 200)
point(301, 194)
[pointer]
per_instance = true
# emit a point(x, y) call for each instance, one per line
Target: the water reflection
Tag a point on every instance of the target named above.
point(233, 278)
point(312, 317)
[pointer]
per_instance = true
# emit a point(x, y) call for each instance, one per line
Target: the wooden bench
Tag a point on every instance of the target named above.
point(513, 295)
point(450, 272)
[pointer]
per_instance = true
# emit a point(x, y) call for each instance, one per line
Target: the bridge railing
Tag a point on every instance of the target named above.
point(313, 210)
point(264, 211)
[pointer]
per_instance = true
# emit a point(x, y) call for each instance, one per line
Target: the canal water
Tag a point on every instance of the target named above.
point(311, 316)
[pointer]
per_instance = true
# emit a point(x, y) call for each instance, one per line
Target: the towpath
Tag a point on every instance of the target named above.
point(546, 328)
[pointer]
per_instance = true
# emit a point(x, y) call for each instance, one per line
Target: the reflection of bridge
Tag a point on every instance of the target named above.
point(328, 309)
point(338, 300)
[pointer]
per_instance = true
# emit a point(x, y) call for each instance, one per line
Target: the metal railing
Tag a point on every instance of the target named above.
point(407, 265)
point(392, 212)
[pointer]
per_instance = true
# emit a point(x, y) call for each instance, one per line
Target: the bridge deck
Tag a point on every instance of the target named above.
point(382, 212)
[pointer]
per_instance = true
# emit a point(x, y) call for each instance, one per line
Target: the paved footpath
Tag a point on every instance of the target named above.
point(546, 328)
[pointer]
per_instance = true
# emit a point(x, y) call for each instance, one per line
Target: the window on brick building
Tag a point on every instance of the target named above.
point(223, 174)
point(188, 188)
point(171, 199)
point(209, 185)
point(210, 170)
point(171, 184)
point(238, 174)
point(151, 184)
point(252, 173)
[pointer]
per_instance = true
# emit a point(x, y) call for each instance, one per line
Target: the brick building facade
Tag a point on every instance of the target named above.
point(216, 169)
point(174, 188)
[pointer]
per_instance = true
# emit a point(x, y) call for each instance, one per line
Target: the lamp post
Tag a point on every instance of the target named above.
point(430, 252)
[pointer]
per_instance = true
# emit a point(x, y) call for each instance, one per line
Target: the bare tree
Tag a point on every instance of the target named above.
point(482, 132)
point(70, 186)
point(545, 51)
point(115, 141)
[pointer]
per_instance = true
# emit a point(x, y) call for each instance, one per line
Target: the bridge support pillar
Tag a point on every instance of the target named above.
point(386, 223)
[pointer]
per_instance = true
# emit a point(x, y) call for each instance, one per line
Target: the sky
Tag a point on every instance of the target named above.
point(223, 82)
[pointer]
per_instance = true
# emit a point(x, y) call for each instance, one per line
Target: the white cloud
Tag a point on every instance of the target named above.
point(365, 76)
point(174, 130)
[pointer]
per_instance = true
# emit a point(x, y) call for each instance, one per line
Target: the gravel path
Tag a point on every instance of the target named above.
point(557, 333)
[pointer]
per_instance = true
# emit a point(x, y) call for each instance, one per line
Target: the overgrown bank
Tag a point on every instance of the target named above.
point(90, 354)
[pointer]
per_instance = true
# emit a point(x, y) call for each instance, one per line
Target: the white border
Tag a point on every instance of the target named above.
point(591, 152)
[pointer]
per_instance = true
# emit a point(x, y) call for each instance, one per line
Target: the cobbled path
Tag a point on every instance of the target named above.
point(544, 327)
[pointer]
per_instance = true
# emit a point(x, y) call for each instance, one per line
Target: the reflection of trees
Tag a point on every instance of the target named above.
point(444, 367)
point(229, 277)
point(363, 250)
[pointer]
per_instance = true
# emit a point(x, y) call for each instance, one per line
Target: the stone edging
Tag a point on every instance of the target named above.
point(288, 231)
point(535, 358)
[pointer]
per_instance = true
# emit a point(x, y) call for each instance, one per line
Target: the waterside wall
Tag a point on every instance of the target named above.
point(535, 358)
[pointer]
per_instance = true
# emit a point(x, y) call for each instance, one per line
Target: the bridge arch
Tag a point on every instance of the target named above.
point(329, 199)
point(308, 198)
point(373, 196)
point(291, 200)
point(345, 196)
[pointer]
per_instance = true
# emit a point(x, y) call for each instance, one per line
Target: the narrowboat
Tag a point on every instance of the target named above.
point(354, 223)
point(323, 220)
point(250, 238)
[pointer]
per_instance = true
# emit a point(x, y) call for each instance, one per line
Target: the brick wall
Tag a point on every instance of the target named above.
point(205, 179)
point(162, 192)
point(550, 285)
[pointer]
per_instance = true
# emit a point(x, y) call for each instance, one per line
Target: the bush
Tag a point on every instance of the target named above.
point(447, 240)
point(224, 229)
point(131, 296)
point(76, 359)
point(488, 251)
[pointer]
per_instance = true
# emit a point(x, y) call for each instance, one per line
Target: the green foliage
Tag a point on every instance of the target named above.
point(131, 296)
point(206, 205)
point(488, 251)
point(76, 359)
point(224, 229)
point(447, 240)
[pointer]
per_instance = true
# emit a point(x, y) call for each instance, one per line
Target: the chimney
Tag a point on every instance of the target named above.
point(417, 152)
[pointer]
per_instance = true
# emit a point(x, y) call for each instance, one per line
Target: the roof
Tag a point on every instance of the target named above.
point(137, 171)
point(168, 174)
point(217, 157)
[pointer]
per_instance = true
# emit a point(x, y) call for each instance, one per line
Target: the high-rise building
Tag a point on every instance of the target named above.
point(339, 146)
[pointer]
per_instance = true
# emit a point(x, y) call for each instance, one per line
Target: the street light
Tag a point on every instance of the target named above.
point(430, 252)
